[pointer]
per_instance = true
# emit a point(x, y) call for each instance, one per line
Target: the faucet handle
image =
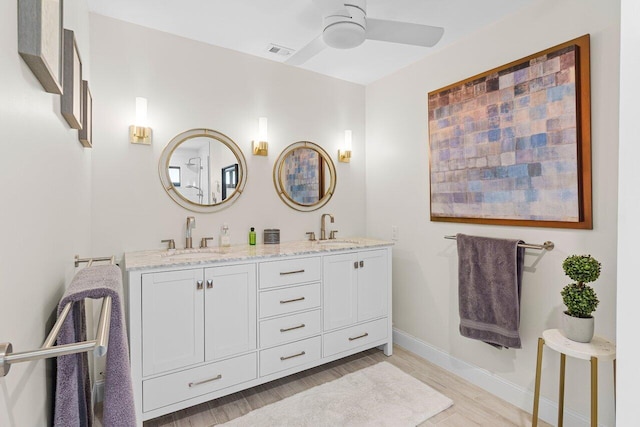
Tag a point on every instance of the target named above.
point(332, 234)
point(312, 236)
point(171, 242)
point(204, 240)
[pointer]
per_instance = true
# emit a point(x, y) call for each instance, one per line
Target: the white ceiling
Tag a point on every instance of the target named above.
point(250, 25)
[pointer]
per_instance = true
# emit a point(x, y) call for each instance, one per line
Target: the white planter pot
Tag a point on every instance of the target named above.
point(577, 328)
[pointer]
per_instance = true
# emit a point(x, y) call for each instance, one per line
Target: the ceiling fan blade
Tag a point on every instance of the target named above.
point(312, 48)
point(331, 7)
point(403, 32)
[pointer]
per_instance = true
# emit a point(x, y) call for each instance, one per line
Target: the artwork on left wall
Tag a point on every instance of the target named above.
point(71, 100)
point(85, 134)
point(40, 40)
point(512, 146)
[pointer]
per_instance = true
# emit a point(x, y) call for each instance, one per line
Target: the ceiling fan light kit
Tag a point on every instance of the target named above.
point(345, 26)
point(346, 31)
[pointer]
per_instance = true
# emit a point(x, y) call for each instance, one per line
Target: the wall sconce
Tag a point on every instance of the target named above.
point(261, 146)
point(344, 154)
point(139, 133)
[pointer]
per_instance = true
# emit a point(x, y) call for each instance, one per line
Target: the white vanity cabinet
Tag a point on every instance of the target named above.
point(204, 328)
point(196, 315)
point(356, 292)
point(355, 287)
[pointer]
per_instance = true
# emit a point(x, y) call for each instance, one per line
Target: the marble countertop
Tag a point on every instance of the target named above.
point(183, 257)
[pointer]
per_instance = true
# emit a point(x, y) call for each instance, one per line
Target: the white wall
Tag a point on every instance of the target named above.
point(425, 265)
point(45, 214)
point(628, 411)
point(192, 85)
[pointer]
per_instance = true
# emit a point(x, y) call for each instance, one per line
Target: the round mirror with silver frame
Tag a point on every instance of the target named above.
point(203, 170)
point(304, 176)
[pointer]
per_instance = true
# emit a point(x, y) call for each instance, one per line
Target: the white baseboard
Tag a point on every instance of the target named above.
point(512, 393)
point(98, 391)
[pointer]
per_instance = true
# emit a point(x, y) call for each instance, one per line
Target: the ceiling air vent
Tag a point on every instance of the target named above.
point(279, 50)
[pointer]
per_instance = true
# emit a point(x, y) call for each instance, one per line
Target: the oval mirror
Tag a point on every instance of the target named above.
point(304, 176)
point(203, 170)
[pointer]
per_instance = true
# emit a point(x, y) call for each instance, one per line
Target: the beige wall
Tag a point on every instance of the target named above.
point(45, 214)
point(425, 265)
point(191, 85)
point(628, 411)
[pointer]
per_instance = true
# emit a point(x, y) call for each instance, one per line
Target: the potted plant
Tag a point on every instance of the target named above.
point(580, 299)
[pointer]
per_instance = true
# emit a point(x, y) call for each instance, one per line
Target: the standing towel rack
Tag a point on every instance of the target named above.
point(48, 350)
point(548, 245)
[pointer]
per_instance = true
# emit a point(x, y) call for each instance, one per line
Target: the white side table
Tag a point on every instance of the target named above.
point(598, 349)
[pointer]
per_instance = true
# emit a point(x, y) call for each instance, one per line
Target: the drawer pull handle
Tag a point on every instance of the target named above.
point(292, 328)
point(302, 353)
point(284, 273)
point(292, 300)
point(193, 384)
point(366, 334)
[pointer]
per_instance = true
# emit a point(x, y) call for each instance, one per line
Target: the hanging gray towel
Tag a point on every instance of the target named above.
point(489, 280)
point(73, 405)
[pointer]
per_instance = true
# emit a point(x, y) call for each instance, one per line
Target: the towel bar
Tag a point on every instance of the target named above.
point(548, 245)
point(48, 350)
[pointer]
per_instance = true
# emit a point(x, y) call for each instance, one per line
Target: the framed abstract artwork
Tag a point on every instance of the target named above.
point(71, 99)
point(85, 135)
point(40, 40)
point(512, 146)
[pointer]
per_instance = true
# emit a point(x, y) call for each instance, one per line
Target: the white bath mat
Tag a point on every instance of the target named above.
point(380, 395)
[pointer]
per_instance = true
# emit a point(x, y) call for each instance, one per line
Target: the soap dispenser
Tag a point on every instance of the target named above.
point(252, 237)
point(225, 236)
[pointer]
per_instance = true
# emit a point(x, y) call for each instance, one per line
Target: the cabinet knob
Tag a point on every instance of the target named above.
point(355, 264)
point(361, 264)
point(199, 284)
point(209, 284)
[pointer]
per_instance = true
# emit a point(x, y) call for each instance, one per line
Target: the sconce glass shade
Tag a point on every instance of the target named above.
point(261, 146)
point(139, 133)
point(344, 154)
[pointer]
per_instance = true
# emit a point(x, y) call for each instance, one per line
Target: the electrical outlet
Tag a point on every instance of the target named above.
point(394, 233)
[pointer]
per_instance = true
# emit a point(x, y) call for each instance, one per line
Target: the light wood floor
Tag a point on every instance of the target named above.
point(472, 406)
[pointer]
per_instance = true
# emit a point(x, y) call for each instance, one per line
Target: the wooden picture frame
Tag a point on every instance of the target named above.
point(512, 146)
point(40, 40)
point(85, 135)
point(71, 100)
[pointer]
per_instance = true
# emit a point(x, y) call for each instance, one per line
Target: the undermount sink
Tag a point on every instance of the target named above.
point(191, 253)
point(330, 242)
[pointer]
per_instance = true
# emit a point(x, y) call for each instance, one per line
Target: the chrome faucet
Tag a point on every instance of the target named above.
point(323, 233)
point(191, 224)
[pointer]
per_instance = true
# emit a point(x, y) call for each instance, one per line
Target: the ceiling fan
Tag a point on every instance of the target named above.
point(346, 25)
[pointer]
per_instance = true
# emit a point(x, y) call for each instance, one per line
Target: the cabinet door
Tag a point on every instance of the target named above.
point(172, 320)
point(339, 283)
point(373, 284)
point(230, 310)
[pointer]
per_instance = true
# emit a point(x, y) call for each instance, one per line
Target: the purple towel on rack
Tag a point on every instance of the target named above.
point(489, 280)
point(73, 392)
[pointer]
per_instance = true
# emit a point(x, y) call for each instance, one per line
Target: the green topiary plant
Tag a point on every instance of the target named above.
point(580, 299)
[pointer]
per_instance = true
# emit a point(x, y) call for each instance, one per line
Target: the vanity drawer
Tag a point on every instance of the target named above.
point(284, 301)
point(290, 328)
point(289, 355)
point(194, 382)
point(354, 337)
point(289, 272)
